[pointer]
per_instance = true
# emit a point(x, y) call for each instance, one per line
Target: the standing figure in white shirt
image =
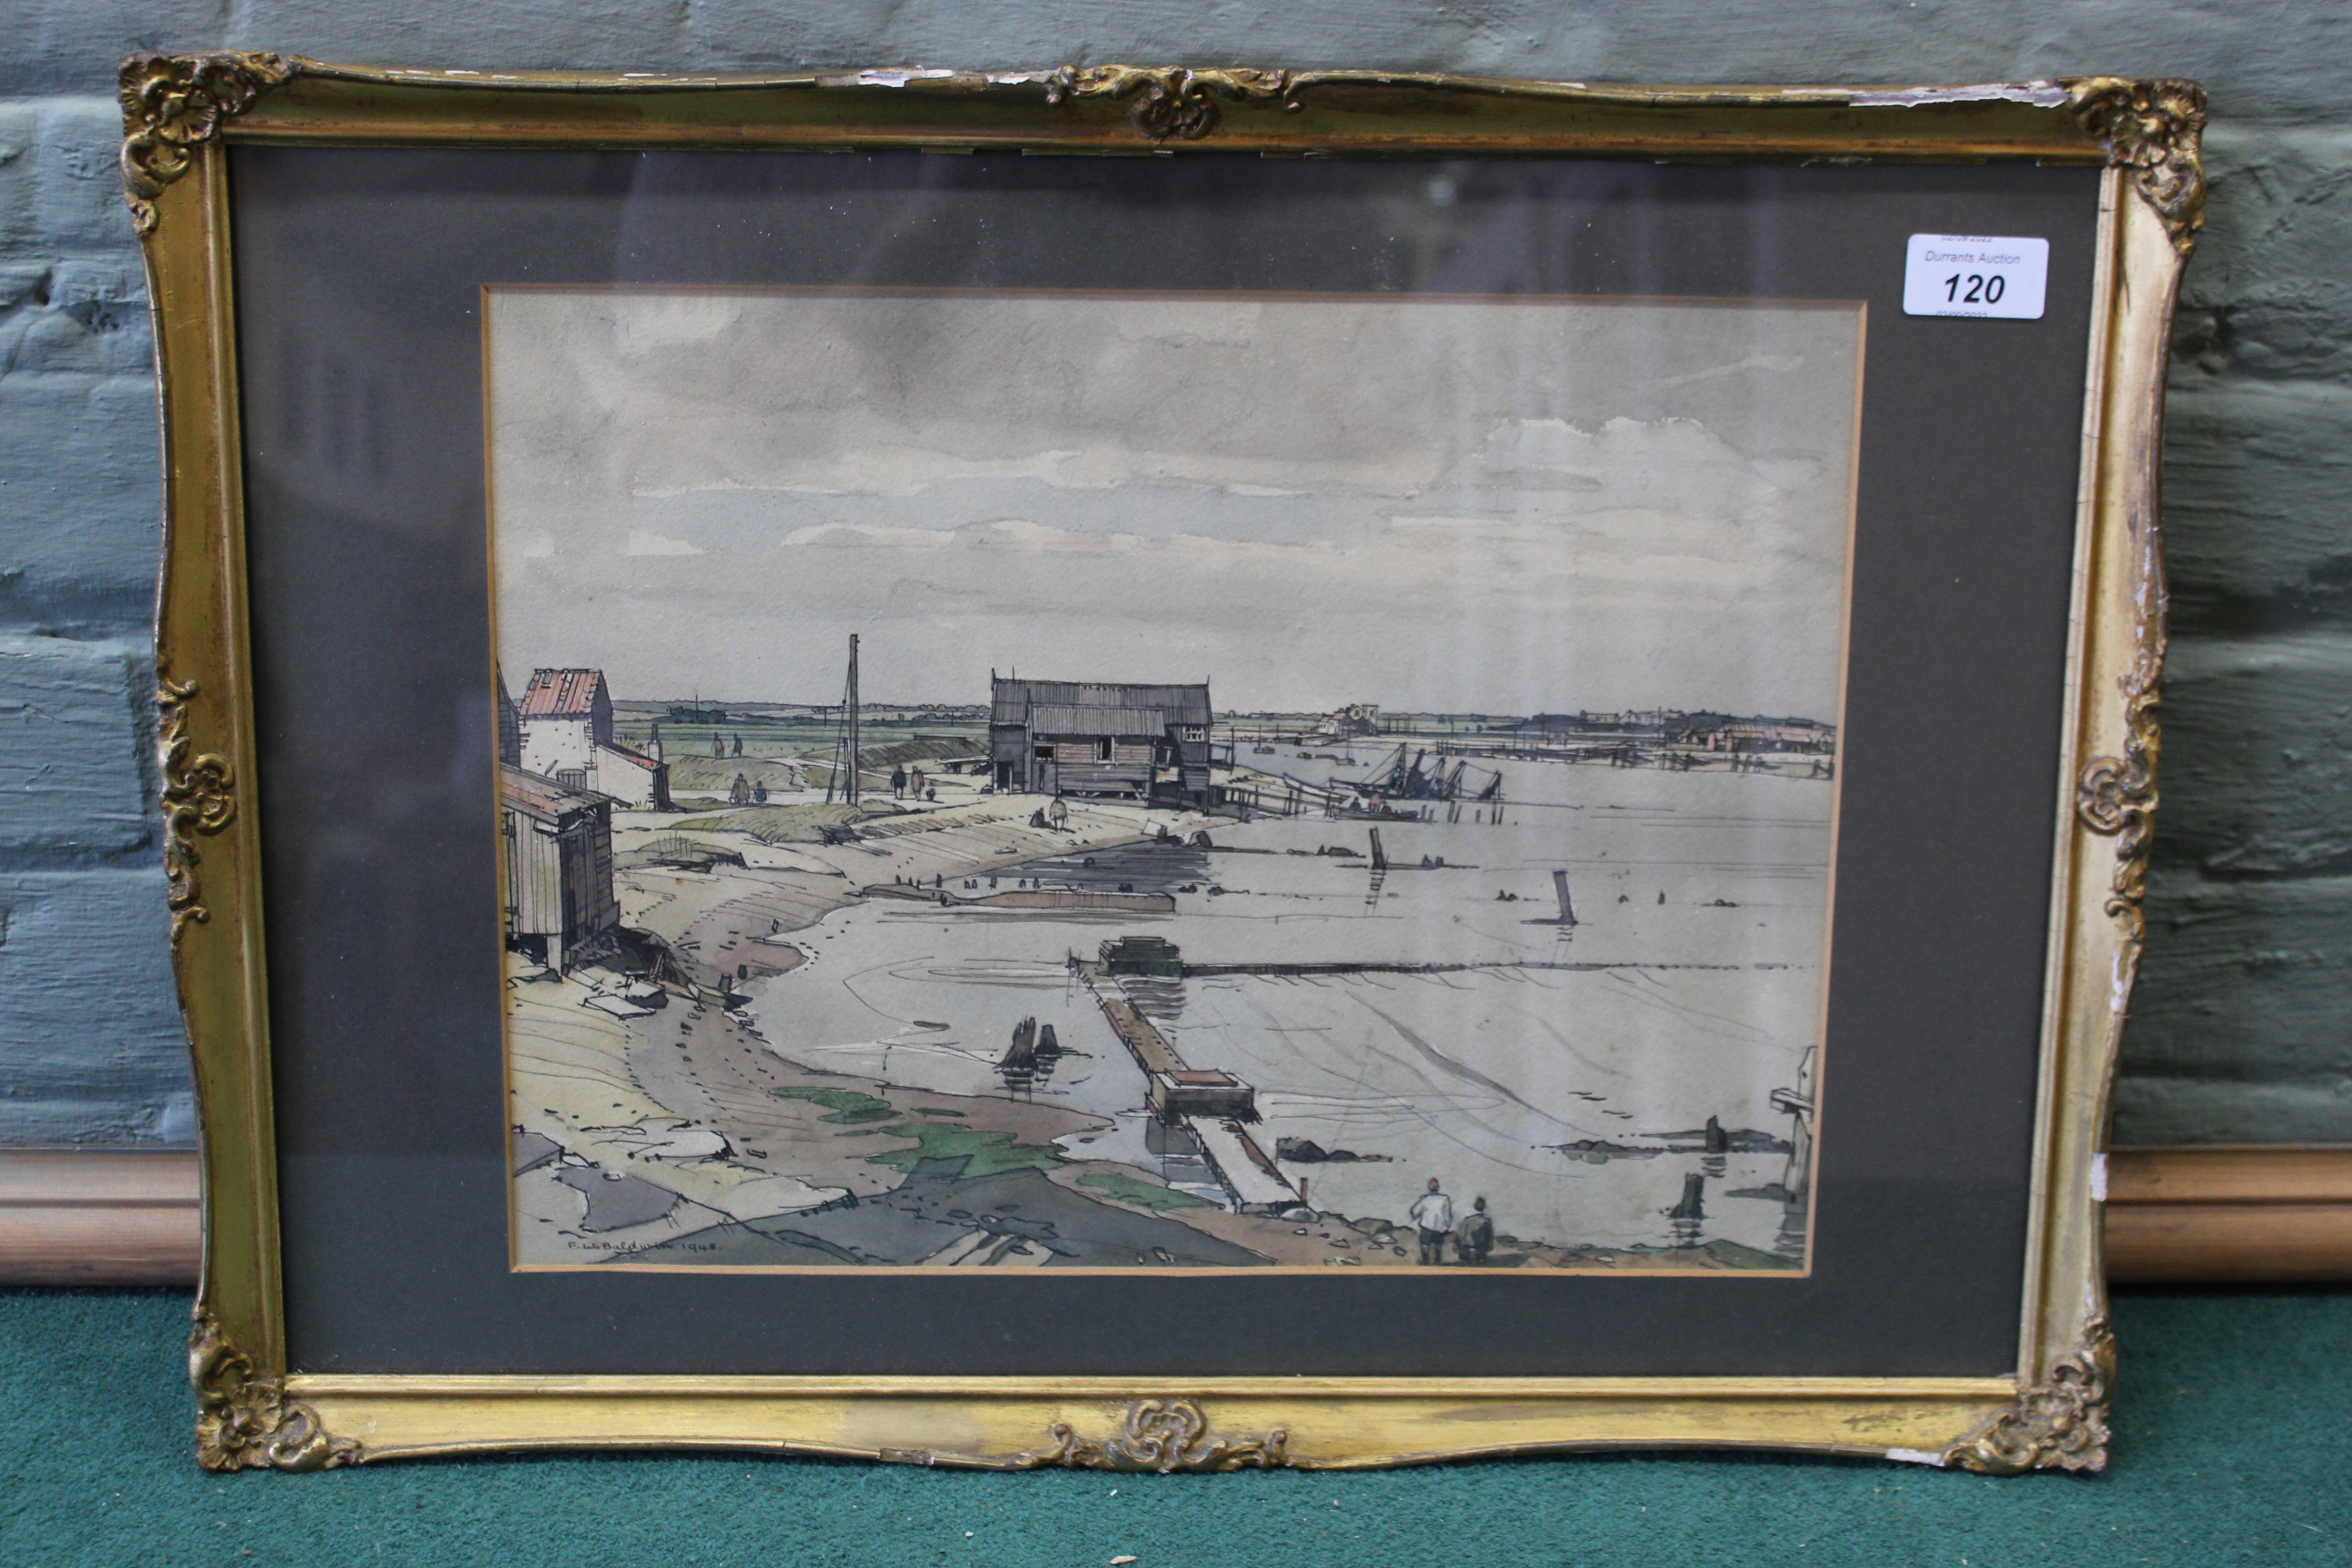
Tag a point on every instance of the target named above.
point(1432, 1215)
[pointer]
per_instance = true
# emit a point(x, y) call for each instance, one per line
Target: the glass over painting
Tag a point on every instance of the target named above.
point(1537, 516)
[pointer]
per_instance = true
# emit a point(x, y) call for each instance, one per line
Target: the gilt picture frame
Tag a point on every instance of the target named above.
point(1352, 451)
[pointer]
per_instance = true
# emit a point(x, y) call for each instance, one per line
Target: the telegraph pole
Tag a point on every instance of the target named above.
point(851, 796)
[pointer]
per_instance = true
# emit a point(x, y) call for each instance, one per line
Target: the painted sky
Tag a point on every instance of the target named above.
point(1461, 505)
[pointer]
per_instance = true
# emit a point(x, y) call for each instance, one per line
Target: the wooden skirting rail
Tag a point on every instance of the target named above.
point(87, 1216)
point(2254, 1213)
point(80, 1217)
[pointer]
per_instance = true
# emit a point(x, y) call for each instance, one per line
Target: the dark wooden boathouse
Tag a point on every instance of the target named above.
point(1100, 740)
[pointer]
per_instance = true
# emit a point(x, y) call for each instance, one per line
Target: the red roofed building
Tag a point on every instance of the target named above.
point(566, 716)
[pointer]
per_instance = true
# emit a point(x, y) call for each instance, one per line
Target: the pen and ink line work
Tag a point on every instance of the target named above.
point(998, 779)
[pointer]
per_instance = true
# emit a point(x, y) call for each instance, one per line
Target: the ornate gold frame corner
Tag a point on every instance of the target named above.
point(245, 1420)
point(181, 111)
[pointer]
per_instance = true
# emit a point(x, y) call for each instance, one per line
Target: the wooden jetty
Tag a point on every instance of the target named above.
point(1211, 1104)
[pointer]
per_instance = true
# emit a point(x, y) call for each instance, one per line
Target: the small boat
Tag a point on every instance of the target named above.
point(1019, 1067)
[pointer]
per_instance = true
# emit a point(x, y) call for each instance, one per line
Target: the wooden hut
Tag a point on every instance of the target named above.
point(1100, 739)
point(558, 846)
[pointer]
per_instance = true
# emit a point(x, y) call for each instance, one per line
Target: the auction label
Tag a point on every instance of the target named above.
point(1975, 275)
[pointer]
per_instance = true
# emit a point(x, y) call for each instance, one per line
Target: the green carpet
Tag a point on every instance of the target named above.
point(2235, 1445)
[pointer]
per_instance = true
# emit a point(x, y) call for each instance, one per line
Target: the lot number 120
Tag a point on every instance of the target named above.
point(1976, 275)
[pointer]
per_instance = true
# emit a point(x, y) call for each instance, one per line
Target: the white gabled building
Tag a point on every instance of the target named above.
point(566, 719)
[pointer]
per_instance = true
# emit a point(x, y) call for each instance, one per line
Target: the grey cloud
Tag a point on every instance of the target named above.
point(1425, 505)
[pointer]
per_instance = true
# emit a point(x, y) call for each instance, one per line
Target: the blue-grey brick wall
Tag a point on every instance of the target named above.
point(2239, 1032)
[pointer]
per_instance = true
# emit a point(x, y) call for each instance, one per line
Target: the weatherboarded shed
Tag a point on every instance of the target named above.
point(558, 846)
point(1100, 739)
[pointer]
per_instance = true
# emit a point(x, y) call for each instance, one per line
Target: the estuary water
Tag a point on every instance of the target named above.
point(1689, 987)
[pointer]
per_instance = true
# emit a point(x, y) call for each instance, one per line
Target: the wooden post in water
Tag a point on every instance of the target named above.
point(1691, 1212)
point(851, 796)
point(1560, 886)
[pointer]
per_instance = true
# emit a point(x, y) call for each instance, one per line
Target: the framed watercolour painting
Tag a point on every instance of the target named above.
point(1275, 768)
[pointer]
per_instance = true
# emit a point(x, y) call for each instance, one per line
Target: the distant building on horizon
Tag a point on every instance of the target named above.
point(1722, 733)
point(1647, 722)
point(1706, 730)
point(565, 718)
point(1100, 739)
point(1343, 723)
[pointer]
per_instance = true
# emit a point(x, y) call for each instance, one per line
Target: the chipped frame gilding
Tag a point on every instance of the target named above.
point(180, 111)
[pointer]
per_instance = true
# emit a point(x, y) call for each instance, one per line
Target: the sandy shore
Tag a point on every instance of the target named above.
point(646, 1132)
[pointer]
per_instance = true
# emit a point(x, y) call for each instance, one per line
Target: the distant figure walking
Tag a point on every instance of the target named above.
point(1475, 1238)
point(738, 745)
point(898, 784)
point(1432, 1215)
